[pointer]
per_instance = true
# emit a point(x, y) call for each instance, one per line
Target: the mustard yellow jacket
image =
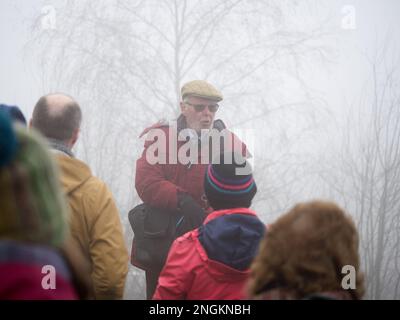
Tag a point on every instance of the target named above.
point(95, 227)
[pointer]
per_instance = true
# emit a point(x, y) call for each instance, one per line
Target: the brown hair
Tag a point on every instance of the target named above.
point(304, 252)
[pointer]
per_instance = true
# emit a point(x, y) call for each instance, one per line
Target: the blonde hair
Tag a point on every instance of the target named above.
point(32, 205)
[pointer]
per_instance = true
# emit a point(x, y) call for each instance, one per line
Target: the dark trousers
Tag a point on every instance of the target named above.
point(151, 281)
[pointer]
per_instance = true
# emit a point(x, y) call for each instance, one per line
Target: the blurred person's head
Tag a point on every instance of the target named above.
point(199, 104)
point(229, 182)
point(303, 254)
point(15, 113)
point(58, 117)
point(32, 207)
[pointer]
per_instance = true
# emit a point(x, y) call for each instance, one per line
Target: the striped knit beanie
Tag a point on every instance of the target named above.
point(229, 182)
point(32, 207)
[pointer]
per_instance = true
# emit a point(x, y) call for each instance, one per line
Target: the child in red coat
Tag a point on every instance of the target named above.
point(212, 262)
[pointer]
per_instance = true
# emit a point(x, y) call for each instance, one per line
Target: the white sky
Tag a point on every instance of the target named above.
point(340, 83)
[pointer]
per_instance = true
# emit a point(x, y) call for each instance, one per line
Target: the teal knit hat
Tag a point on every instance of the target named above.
point(8, 141)
point(32, 207)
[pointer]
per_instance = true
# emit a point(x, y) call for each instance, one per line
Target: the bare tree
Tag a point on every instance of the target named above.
point(125, 61)
point(367, 176)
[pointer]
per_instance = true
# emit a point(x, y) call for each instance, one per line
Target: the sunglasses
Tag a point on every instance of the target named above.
point(200, 107)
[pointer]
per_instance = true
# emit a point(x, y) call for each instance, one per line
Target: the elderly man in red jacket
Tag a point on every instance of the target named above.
point(176, 182)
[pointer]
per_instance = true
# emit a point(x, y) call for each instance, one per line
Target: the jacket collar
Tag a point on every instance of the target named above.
point(215, 214)
point(59, 146)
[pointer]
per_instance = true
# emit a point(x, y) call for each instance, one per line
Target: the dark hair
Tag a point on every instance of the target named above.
point(60, 125)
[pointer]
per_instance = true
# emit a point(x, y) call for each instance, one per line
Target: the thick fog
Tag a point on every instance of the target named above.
point(312, 87)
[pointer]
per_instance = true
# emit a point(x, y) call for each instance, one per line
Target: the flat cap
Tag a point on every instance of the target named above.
point(202, 89)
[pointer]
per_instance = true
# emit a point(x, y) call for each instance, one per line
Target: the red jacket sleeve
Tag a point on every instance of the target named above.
point(151, 182)
point(152, 186)
point(176, 277)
